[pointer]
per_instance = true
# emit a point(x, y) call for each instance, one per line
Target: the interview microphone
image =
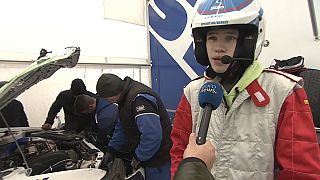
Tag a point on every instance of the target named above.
point(228, 59)
point(210, 97)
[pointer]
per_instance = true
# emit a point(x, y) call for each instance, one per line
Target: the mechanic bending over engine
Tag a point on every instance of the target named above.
point(263, 129)
point(144, 127)
point(73, 122)
point(106, 116)
point(13, 113)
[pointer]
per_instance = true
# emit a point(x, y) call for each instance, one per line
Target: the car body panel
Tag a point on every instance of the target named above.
point(79, 174)
point(39, 70)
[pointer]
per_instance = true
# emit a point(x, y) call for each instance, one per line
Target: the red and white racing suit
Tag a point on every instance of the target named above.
point(267, 133)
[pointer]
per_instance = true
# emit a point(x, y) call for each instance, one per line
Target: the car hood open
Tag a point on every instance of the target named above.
point(41, 69)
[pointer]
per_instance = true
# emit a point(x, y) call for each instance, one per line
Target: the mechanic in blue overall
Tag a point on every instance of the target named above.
point(106, 116)
point(144, 127)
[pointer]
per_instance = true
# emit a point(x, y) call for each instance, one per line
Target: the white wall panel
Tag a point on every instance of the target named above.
point(29, 25)
point(131, 11)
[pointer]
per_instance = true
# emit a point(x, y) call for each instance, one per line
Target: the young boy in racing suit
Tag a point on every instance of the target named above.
point(263, 129)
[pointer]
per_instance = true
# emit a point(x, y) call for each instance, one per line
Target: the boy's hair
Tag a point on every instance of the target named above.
point(82, 103)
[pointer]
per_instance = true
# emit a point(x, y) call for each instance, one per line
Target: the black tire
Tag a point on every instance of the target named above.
point(311, 79)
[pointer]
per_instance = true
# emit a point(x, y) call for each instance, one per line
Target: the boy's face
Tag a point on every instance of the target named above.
point(221, 42)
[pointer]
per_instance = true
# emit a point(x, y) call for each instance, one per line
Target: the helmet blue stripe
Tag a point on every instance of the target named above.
point(208, 7)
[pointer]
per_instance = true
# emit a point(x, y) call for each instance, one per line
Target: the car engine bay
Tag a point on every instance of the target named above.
point(47, 151)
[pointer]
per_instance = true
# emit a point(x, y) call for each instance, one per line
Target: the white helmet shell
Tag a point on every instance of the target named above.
point(245, 15)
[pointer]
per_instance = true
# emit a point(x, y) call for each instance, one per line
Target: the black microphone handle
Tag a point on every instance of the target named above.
point(204, 124)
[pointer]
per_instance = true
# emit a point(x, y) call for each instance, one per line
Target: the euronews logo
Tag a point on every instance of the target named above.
point(209, 88)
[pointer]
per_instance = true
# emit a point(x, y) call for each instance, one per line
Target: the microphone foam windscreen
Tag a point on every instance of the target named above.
point(210, 93)
point(226, 59)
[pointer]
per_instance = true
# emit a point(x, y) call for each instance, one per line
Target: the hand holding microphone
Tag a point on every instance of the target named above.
point(210, 97)
point(205, 152)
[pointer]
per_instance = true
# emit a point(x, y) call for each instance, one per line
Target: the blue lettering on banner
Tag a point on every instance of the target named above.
point(175, 20)
point(192, 2)
point(168, 78)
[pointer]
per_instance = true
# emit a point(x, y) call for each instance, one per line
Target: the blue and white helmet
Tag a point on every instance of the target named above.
point(245, 15)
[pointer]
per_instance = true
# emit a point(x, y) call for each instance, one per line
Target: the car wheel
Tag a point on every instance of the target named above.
point(311, 79)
